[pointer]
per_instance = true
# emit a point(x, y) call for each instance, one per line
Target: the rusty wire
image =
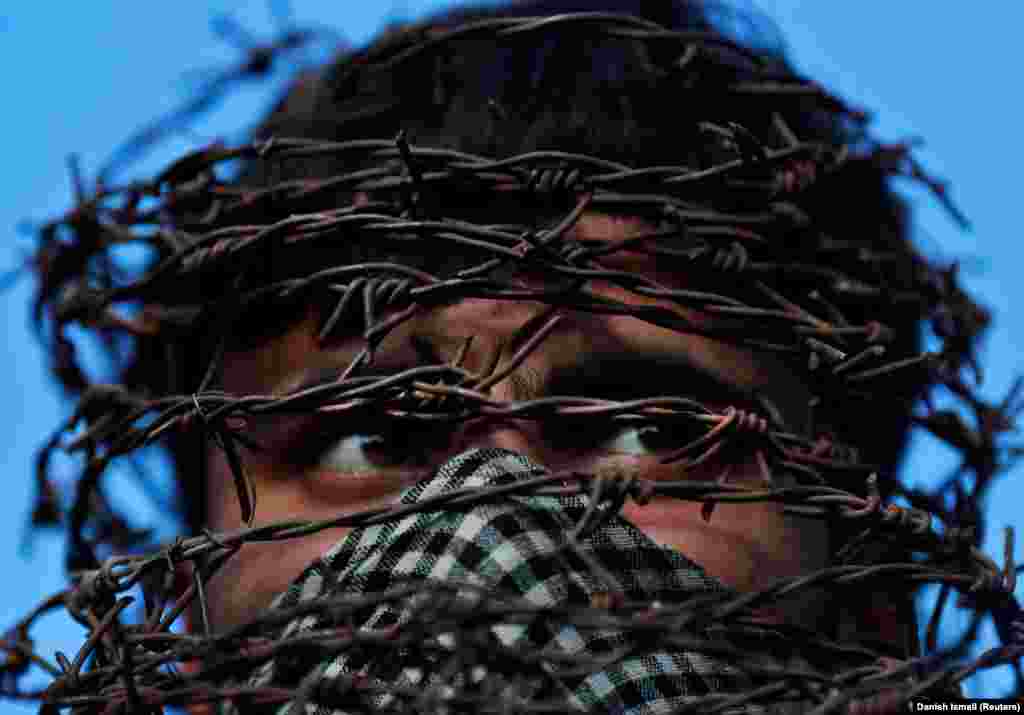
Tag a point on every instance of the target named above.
point(212, 236)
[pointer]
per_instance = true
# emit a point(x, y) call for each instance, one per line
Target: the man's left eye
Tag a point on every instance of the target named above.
point(636, 439)
point(641, 440)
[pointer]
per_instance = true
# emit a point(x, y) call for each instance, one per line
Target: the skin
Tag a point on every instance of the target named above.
point(747, 546)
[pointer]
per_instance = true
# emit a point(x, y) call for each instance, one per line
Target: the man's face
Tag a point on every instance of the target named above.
point(324, 468)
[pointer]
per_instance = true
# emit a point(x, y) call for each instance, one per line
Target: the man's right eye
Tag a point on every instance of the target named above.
point(382, 448)
point(360, 452)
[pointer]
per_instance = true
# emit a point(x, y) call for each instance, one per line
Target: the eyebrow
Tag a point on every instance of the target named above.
point(323, 376)
point(626, 376)
point(612, 376)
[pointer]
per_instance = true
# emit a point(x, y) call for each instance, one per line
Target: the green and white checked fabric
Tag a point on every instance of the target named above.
point(516, 547)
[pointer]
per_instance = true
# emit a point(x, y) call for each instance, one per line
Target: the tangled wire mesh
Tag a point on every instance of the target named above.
point(779, 285)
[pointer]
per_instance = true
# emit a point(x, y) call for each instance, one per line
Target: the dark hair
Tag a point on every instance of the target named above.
point(632, 101)
point(605, 98)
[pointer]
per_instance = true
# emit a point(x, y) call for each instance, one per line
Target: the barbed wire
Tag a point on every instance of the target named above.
point(782, 287)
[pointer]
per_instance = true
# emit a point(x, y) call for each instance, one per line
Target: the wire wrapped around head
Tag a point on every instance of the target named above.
point(353, 200)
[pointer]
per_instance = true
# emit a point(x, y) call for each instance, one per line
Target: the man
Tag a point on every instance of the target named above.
point(583, 343)
point(744, 546)
point(580, 93)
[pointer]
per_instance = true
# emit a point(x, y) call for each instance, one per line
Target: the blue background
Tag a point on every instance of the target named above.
point(80, 77)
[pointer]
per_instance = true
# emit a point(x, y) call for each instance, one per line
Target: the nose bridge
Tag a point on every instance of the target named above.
point(490, 323)
point(518, 435)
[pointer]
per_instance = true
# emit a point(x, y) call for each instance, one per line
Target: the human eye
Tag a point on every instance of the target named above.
point(360, 452)
point(638, 440)
point(633, 438)
point(371, 446)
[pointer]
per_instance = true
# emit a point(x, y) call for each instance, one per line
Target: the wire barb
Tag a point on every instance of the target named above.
point(764, 273)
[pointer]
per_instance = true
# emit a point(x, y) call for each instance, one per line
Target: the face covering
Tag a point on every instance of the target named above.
point(515, 547)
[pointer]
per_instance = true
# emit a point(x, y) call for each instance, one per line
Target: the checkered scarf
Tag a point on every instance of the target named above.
point(516, 548)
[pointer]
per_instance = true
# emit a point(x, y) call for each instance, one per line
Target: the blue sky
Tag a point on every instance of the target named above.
point(82, 78)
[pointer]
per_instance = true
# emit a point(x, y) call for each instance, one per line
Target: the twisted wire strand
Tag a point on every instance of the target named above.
point(124, 665)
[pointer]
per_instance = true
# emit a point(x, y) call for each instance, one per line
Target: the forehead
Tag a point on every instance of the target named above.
point(581, 339)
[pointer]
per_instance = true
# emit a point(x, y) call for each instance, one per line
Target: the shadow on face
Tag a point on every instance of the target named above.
point(319, 471)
